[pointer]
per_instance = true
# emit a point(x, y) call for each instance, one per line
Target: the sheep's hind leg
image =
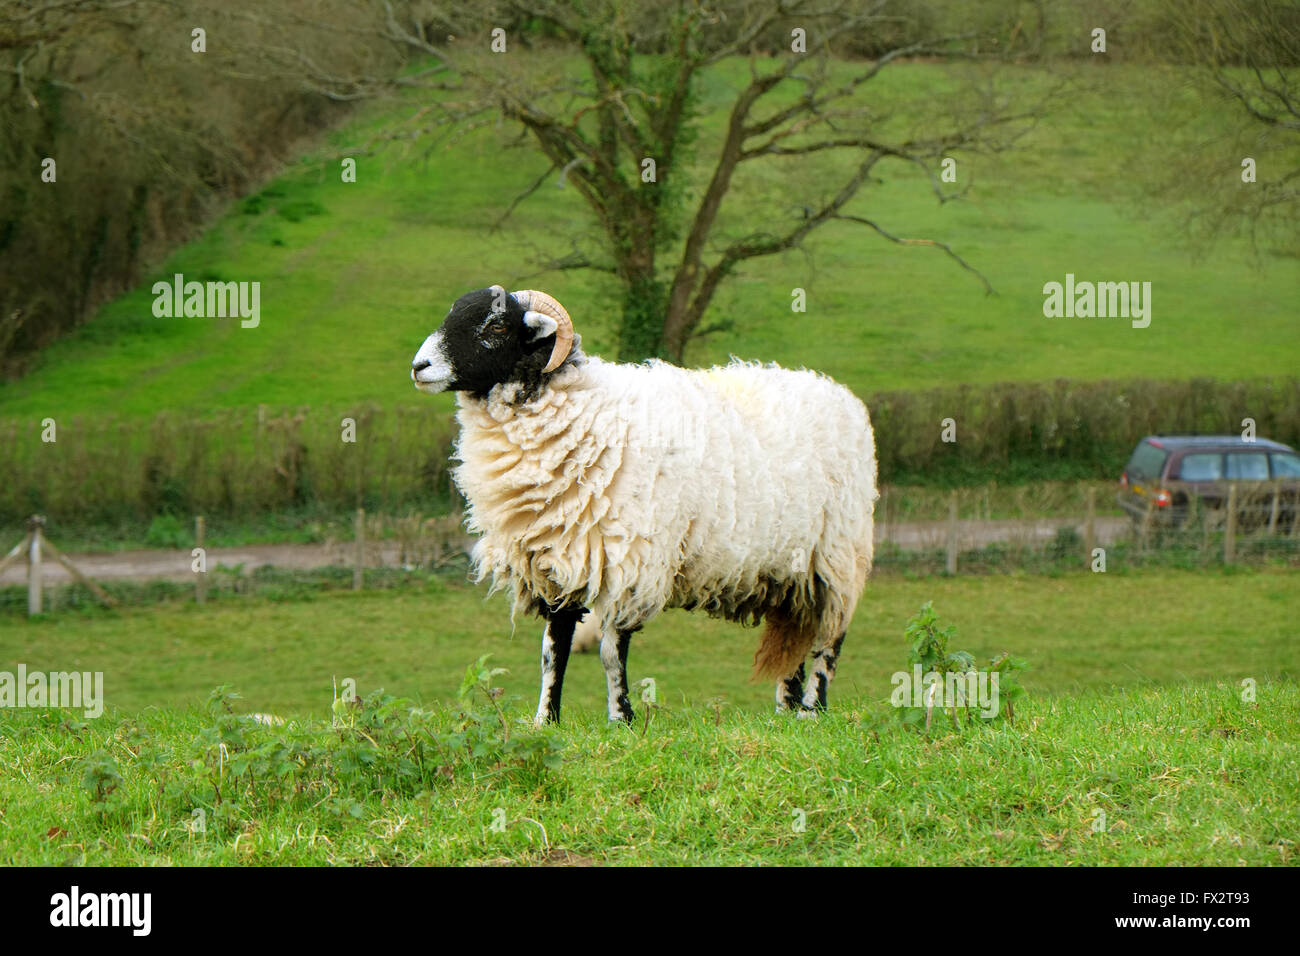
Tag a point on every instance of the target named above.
point(789, 692)
point(556, 641)
point(613, 654)
point(823, 670)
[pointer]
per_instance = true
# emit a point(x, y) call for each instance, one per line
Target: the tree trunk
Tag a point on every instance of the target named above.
point(641, 329)
point(677, 325)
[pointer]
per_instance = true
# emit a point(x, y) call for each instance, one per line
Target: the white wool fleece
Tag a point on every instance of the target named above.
point(631, 488)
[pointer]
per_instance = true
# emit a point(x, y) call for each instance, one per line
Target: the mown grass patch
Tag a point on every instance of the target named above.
point(287, 644)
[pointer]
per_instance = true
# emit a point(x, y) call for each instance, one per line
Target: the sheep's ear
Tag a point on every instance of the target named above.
point(543, 324)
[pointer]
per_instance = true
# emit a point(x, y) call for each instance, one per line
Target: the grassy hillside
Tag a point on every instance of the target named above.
point(355, 275)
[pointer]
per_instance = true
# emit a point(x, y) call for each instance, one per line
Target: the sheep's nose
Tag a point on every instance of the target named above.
point(419, 364)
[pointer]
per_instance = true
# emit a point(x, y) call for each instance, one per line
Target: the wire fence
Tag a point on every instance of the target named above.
point(1185, 525)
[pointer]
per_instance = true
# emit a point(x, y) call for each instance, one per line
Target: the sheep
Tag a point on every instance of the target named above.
point(604, 493)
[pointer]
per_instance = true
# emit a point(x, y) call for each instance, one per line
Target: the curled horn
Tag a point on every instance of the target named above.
point(534, 301)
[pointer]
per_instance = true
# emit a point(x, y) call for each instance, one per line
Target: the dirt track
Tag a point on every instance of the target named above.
point(144, 565)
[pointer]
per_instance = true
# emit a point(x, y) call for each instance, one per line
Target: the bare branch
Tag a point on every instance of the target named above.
point(575, 260)
point(514, 203)
point(755, 247)
point(988, 288)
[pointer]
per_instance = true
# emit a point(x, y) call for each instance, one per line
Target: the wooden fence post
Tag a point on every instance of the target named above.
point(200, 582)
point(1197, 514)
point(952, 533)
point(34, 568)
point(16, 551)
point(35, 544)
point(358, 559)
point(107, 599)
point(1230, 527)
point(881, 514)
point(1144, 530)
point(1272, 515)
point(1090, 527)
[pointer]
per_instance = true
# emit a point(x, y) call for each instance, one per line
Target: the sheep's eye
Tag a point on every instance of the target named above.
point(493, 331)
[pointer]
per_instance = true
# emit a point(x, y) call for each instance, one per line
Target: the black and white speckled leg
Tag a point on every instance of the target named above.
point(789, 692)
point(823, 671)
point(556, 642)
point(613, 654)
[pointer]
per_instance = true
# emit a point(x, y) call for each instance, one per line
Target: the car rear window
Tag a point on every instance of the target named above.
point(1247, 467)
point(1148, 461)
point(1203, 467)
point(1286, 466)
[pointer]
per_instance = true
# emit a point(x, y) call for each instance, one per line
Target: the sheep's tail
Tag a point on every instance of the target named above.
point(786, 641)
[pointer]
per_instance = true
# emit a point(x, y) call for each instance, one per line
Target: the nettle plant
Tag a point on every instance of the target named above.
point(236, 767)
point(486, 734)
point(950, 680)
point(100, 780)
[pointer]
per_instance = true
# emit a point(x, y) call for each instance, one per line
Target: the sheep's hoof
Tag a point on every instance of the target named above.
point(808, 713)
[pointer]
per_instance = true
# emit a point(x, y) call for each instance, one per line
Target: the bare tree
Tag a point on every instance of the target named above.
point(610, 98)
point(1235, 169)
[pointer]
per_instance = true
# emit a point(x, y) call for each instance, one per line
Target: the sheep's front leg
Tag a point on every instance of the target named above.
point(613, 654)
point(556, 641)
point(824, 660)
point(789, 692)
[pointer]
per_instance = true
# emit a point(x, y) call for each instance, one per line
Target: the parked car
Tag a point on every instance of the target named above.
point(1172, 474)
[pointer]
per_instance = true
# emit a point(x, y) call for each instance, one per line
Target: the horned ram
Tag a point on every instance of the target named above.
point(619, 490)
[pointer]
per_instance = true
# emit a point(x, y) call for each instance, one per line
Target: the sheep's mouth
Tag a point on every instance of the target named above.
point(429, 386)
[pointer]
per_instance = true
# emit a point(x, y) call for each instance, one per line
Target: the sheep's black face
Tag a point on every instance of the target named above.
point(483, 342)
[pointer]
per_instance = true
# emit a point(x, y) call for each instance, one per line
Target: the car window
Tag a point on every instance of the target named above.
point(1247, 467)
point(1286, 466)
point(1148, 461)
point(1203, 467)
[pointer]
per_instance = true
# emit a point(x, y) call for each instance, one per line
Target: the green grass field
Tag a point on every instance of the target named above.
point(1134, 709)
point(1079, 631)
point(355, 275)
point(1174, 776)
